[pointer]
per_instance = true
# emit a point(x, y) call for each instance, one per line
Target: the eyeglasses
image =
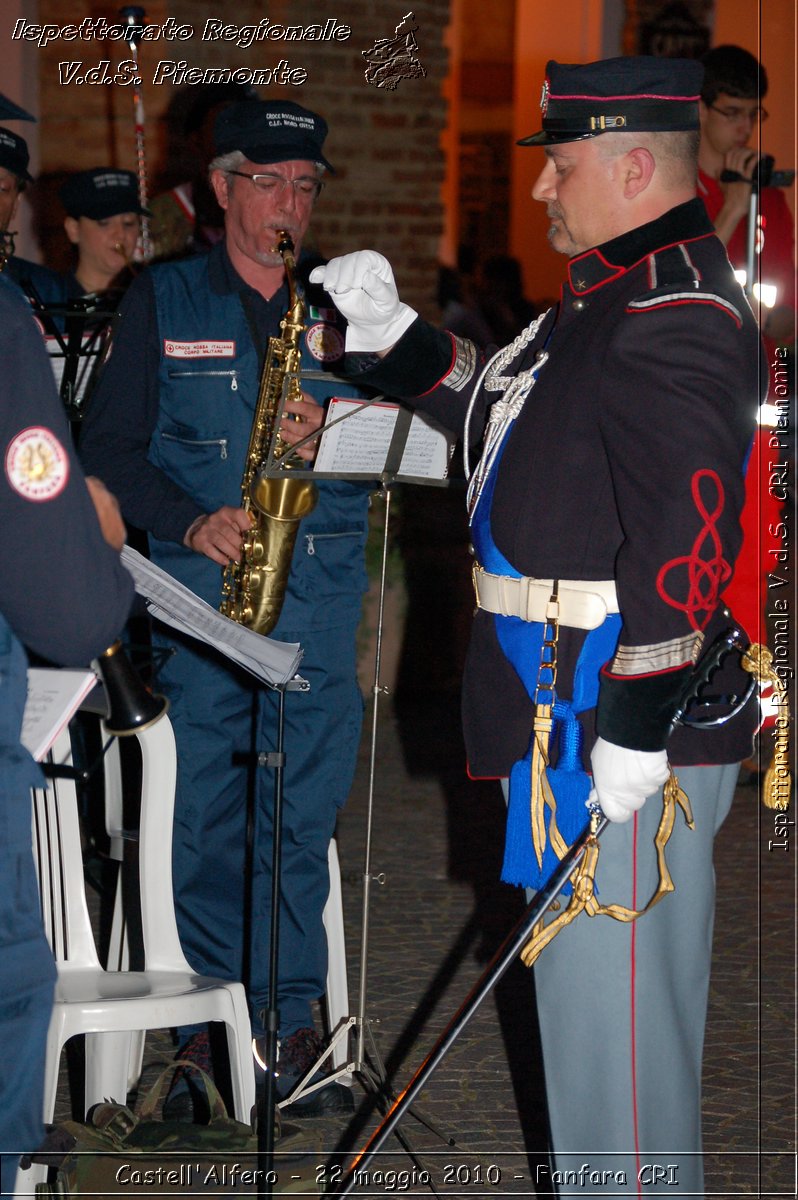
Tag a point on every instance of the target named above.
point(738, 113)
point(305, 186)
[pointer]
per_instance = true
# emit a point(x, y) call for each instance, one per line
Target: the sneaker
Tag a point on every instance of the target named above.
point(186, 1100)
point(296, 1054)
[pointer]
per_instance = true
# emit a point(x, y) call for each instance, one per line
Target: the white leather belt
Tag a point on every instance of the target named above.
point(582, 603)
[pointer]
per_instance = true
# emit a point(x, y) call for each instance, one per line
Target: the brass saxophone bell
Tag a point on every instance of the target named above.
point(131, 708)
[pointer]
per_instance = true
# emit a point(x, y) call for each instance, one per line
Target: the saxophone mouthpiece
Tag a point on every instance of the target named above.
point(284, 242)
point(120, 250)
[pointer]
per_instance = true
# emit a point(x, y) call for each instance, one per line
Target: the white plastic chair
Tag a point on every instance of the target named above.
point(337, 990)
point(109, 1006)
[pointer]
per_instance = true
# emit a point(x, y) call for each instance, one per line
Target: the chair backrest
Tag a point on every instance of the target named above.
point(158, 781)
point(57, 852)
point(59, 860)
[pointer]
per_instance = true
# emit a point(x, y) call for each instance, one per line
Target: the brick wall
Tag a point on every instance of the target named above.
point(385, 144)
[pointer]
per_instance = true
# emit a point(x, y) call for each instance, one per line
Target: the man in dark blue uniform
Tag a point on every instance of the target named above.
point(169, 431)
point(615, 431)
point(35, 280)
point(64, 595)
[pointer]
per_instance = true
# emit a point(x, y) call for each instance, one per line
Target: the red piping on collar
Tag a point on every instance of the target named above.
point(618, 270)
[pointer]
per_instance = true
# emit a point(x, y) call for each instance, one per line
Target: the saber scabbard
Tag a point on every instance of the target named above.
point(502, 960)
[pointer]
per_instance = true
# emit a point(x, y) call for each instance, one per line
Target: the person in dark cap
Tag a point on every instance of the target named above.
point(64, 596)
point(604, 515)
point(103, 222)
point(14, 174)
point(38, 282)
point(169, 429)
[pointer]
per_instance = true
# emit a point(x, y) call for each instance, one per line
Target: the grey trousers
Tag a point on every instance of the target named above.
point(622, 1010)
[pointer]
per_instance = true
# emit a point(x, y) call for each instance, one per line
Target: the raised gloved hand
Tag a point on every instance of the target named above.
point(623, 779)
point(363, 289)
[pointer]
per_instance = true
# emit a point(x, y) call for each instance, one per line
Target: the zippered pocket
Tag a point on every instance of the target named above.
point(232, 375)
point(311, 538)
point(222, 443)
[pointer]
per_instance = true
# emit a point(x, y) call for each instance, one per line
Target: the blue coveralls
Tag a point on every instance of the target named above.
point(208, 377)
point(65, 595)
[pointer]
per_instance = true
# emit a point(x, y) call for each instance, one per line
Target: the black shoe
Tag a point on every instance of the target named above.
point(187, 1101)
point(296, 1054)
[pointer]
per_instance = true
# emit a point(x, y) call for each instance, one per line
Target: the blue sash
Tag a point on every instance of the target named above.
point(522, 644)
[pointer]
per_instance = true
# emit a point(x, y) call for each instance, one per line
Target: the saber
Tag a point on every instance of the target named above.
point(134, 18)
point(493, 972)
point(729, 640)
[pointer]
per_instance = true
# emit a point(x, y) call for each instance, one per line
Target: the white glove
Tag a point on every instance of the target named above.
point(363, 289)
point(623, 779)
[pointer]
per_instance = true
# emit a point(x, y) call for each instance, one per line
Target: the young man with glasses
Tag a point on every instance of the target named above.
point(732, 113)
point(171, 423)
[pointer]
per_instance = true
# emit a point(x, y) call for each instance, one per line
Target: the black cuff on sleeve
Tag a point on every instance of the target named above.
point(637, 712)
point(417, 363)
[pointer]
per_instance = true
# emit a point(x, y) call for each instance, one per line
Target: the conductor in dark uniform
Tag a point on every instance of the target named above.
point(605, 505)
point(64, 595)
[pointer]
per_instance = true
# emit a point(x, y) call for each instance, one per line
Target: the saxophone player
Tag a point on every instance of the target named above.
point(168, 430)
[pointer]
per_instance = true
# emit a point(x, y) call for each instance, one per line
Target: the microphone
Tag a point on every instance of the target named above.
point(763, 175)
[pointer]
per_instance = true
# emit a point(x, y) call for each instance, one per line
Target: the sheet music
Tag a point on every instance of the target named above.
point(54, 696)
point(170, 601)
point(360, 444)
point(90, 347)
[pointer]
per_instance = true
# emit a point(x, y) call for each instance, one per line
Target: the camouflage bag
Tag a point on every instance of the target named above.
point(120, 1154)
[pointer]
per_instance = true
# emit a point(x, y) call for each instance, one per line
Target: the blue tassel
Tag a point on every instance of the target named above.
point(570, 785)
point(520, 865)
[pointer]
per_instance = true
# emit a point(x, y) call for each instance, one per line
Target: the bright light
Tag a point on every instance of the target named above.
point(765, 293)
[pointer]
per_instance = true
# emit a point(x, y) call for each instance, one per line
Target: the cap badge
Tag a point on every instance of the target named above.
point(544, 97)
point(607, 122)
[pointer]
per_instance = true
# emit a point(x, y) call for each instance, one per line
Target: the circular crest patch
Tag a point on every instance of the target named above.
point(37, 465)
point(324, 342)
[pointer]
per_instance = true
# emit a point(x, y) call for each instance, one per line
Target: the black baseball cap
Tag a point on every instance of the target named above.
point(9, 111)
point(14, 155)
point(101, 192)
point(269, 131)
point(634, 94)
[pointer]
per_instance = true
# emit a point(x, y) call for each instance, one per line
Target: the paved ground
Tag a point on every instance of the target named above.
point(437, 914)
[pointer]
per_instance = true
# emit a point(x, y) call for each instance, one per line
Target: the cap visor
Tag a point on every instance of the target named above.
point(544, 138)
point(9, 111)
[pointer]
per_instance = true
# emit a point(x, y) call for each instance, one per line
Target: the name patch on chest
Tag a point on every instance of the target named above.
point(37, 465)
point(205, 349)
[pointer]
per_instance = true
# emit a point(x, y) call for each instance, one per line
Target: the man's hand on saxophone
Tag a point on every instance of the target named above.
point(300, 419)
point(218, 534)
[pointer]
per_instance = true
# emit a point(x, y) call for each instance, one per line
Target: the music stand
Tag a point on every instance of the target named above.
point(385, 443)
point(76, 333)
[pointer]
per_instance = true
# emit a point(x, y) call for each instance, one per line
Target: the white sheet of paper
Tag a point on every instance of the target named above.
point(54, 696)
point(170, 601)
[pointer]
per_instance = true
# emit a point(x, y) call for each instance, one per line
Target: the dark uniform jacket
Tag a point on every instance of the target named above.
point(64, 592)
point(625, 463)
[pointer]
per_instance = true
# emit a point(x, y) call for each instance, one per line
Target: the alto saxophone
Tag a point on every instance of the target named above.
point(253, 590)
